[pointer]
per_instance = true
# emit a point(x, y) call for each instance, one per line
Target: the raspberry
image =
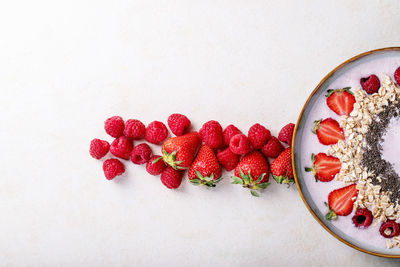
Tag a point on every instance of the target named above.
point(141, 154)
point(362, 218)
point(286, 134)
point(211, 134)
point(258, 135)
point(155, 165)
point(134, 129)
point(228, 159)
point(156, 132)
point(114, 126)
point(229, 132)
point(178, 124)
point(112, 168)
point(98, 148)
point(240, 144)
point(121, 147)
point(397, 75)
point(171, 178)
point(272, 148)
point(370, 84)
point(389, 229)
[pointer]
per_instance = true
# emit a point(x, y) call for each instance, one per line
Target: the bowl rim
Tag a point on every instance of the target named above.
point(395, 48)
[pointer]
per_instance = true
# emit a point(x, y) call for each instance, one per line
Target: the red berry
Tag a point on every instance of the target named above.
point(328, 131)
point(171, 178)
point(389, 229)
point(114, 126)
point(141, 154)
point(362, 218)
point(156, 132)
point(178, 124)
point(240, 144)
point(113, 168)
point(121, 147)
point(155, 165)
point(370, 84)
point(211, 134)
point(134, 129)
point(397, 75)
point(229, 132)
point(258, 135)
point(98, 148)
point(286, 134)
point(272, 148)
point(228, 159)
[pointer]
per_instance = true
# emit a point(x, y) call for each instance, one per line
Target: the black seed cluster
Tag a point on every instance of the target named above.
point(372, 156)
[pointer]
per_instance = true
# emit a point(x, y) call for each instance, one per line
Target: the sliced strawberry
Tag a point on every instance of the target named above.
point(341, 101)
point(328, 131)
point(324, 167)
point(340, 201)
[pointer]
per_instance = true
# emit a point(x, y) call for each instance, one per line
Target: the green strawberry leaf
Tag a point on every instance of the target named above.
point(307, 169)
point(254, 193)
point(260, 178)
point(195, 181)
point(236, 180)
point(263, 185)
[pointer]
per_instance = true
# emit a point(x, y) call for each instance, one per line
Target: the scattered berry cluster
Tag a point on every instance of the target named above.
point(203, 153)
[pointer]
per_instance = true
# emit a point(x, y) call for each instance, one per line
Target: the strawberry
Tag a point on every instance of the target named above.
point(340, 201)
point(341, 101)
point(179, 152)
point(205, 169)
point(324, 167)
point(252, 172)
point(328, 131)
point(281, 167)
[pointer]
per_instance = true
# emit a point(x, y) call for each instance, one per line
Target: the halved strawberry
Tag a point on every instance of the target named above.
point(328, 131)
point(340, 201)
point(341, 101)
point(324, 167)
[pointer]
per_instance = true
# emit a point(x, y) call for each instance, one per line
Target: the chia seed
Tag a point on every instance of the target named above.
point(373, 158)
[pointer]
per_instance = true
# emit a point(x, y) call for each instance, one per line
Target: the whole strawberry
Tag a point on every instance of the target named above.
point(179, 152)
point(171, 178)
point(281, 167)
point(211, 134)
point(252, 172)
point(205, 169)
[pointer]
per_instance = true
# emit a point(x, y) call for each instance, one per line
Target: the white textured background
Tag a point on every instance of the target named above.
point(65, 66)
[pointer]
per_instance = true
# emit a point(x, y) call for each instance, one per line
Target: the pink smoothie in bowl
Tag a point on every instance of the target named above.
point(315, 194)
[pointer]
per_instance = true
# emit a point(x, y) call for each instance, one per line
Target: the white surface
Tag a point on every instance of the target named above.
point(65, 67)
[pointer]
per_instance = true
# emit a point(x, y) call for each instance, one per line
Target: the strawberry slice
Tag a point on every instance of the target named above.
point(324, 167)
point(340, 201)
point(341, 101)
point(328, 131)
